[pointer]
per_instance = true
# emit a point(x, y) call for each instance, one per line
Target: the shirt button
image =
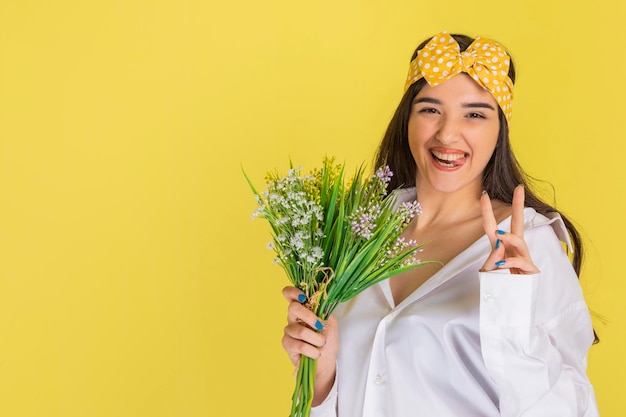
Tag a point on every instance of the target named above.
point(378, 380)
point(488, 297)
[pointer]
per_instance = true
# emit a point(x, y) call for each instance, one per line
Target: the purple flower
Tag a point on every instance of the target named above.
point(409, 210)
point(364, 222)
point(384, 174)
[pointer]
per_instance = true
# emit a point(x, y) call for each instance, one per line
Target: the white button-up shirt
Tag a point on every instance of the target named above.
point(469, 344)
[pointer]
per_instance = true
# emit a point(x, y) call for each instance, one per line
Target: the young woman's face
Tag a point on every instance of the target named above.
point(453, 130)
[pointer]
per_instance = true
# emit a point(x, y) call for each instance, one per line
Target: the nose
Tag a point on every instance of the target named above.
point(449, 130)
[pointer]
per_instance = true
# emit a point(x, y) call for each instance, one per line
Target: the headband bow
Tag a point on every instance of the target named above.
point(484, 60)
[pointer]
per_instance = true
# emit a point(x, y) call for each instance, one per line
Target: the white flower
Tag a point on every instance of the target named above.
point(258, 212)
point(317, 252)
point(297, 241)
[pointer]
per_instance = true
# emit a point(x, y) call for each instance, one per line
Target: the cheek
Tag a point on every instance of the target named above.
point(487, 148)
point(416, 145)
point(495, 133)
point(418, 134)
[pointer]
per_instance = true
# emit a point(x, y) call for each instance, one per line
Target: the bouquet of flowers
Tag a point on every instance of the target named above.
point(334, 240)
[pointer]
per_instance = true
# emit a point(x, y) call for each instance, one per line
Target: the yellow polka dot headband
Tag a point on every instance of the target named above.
point(484, 60)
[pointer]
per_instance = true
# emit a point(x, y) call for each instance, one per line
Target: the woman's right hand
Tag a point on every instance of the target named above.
point(300, 338)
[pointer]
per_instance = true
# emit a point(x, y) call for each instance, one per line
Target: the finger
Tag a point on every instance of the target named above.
point(296, 347)
point(297, 313)
point(515, 245)
point(496, 254)
point(489, 220)
point(517, 219)
point(293, 294)
point(518, 265)
point(300, 340)
point(305, 334)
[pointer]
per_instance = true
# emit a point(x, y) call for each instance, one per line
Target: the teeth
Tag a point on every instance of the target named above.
point(448, 156)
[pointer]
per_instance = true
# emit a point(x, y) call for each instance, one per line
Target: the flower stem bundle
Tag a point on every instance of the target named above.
point(334, 239)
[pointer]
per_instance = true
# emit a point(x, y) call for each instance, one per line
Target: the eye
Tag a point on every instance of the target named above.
point(475, 115)
point(428, 110)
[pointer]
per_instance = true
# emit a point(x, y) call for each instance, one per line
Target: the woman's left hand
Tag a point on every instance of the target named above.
point(510, 249)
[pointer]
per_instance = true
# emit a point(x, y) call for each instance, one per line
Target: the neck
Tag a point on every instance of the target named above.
point(448, 207)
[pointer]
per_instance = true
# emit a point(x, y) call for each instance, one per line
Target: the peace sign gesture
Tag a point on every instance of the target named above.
point(510, 250)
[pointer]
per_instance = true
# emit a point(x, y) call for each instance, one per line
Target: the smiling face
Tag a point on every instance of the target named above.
point(453, 130)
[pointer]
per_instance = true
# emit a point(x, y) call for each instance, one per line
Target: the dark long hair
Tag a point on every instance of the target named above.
point(502, 173)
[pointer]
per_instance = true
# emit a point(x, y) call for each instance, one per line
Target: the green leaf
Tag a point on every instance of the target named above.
point(250, 182)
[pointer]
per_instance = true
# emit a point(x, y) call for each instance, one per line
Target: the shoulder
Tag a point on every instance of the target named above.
point(404, 195)
point(545, 224)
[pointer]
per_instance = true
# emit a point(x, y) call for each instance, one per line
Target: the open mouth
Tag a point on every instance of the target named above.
point(449, 160)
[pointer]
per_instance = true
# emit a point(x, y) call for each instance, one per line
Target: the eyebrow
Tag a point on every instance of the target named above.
point(426, 100)
point(477, 104)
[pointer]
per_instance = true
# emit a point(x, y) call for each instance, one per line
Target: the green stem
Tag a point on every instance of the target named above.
point(302, 397)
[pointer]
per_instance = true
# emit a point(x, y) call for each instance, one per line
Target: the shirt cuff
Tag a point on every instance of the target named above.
point(507, 299)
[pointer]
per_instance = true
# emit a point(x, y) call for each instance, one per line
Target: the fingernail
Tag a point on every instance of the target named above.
point(500, 232)
point(484, 192)
point(301, 298)
point(500, 263)
point(497, 243)
point(319, 325)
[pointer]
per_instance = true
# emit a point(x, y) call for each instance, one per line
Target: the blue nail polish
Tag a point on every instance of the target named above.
point(497, 243)
point(500, 263)
point(301, 298)
point(319, 325)
point(500, 232)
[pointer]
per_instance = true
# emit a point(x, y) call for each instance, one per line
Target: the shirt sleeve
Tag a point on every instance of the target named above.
point(535, 332)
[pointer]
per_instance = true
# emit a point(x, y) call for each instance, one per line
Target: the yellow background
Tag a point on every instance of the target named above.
point(132, 281)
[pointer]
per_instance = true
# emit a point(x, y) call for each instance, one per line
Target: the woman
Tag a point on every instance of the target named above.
point(499, 327)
